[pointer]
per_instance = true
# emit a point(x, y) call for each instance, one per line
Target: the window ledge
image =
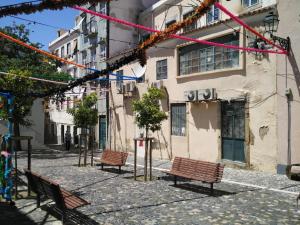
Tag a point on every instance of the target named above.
point(252, 7)
point(177, 136)
point(209, 73)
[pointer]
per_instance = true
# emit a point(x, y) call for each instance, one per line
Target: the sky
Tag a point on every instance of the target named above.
point(42, 34)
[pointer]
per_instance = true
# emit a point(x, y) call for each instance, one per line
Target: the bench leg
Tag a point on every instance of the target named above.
point(175, 180)
point(102, 166)
point(212, 188)
point(298, 200)
point(38, 201)
point(119, 169)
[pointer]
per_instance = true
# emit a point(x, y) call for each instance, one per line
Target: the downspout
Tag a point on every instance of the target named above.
point(108, 137)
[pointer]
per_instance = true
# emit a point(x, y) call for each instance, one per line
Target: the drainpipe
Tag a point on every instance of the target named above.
point(107, 76)
point(289, 97)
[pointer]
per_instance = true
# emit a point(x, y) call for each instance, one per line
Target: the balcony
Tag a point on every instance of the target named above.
point(92, 65)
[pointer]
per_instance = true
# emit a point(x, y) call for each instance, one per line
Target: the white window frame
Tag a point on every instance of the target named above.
point(250, 3)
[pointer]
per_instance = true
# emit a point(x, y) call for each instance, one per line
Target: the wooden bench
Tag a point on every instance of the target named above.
point(207, 172)
point(113, 158)
point(47, 189)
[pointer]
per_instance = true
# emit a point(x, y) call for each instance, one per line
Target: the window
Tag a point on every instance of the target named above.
point(68, 48)
point(75, 72)
point(192, 26)
point(144, 37)
point(249, 3)
point(93, 55)
point(200, 58)
point(213, 14)
point(62, 52)
point(170, 22)
point(84, 57)
point(103, 7)
point(178, 119)
point(102, 51)
point(162, 69)
point(52, 129)
point(68, 102)
point(119, 82)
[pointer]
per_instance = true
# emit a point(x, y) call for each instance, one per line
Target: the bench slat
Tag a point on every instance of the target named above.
point(50, 189)
point(197, 170)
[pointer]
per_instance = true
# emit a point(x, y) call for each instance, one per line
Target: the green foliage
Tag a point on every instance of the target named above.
point(147, 109)
point(22, 106)
point(24, 63)
point(85, 114)
point(14, 56)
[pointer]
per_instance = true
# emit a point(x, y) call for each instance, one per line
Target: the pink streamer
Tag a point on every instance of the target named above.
point(174, 35)
point(238, 20)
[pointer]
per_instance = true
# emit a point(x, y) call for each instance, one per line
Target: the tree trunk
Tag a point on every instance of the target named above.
point(17, 134)
point(146, 157)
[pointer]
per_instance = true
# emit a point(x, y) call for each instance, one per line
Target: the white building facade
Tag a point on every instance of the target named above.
point(57, 120)
point(223, 105)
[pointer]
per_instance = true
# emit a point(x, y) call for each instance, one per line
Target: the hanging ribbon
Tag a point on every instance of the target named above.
point(238, 20)
point(116, 20)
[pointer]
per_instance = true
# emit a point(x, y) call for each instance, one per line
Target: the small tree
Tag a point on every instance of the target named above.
point(85, 115)
point(150, 117)
point(147, 109)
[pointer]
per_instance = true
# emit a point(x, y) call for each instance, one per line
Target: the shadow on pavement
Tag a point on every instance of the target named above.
point(73, 216)
point(10, 215)
point(195, 188)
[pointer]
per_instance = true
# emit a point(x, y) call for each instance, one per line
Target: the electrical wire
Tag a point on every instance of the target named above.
point(13, 5)
point(82, 33)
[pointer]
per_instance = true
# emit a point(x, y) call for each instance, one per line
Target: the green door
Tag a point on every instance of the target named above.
point(102, 132)
point(233, 131)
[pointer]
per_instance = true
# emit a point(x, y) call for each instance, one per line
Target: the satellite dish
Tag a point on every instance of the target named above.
point(138, 70)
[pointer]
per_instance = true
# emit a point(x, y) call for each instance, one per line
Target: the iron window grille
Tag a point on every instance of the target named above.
point(162, 69)
point(178, 119)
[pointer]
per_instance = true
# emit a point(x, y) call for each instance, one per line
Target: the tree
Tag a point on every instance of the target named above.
point(85, 115)
point(147, 109)
point(24, 63)
point(150, 117)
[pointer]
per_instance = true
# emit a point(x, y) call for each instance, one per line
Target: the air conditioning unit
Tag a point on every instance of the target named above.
point(130, 87)
point(158, 84)
point(121, 89)
point(207, 94)
point(191, 96)
point(102, 40)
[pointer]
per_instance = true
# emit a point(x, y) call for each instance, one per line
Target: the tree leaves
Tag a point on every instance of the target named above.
point(147, 109)
point(85, 114)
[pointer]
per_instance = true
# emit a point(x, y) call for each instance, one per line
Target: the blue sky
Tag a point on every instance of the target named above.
point(42, 34)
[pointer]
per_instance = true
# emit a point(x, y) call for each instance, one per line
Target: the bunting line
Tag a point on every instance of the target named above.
point(124, 22)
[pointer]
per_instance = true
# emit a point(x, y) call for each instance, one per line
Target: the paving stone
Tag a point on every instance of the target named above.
point(118, 199)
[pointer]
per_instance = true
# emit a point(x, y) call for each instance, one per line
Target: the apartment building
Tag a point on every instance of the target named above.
point(223, 105)
point(57, 120)
point(90, 43)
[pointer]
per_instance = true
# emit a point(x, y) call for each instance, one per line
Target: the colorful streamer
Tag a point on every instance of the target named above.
point(217, 4)
point(174, 35)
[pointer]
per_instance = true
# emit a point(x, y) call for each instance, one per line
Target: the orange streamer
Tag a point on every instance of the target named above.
point(39, 50)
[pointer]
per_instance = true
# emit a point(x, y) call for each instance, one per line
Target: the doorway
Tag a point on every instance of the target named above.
point(62, 132)
point(102, 132)
point(233, 131)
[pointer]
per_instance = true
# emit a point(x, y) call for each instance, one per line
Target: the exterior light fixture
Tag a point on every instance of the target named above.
point(271, 22)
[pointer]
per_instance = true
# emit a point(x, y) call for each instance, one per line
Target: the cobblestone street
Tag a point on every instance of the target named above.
point(243, 197)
